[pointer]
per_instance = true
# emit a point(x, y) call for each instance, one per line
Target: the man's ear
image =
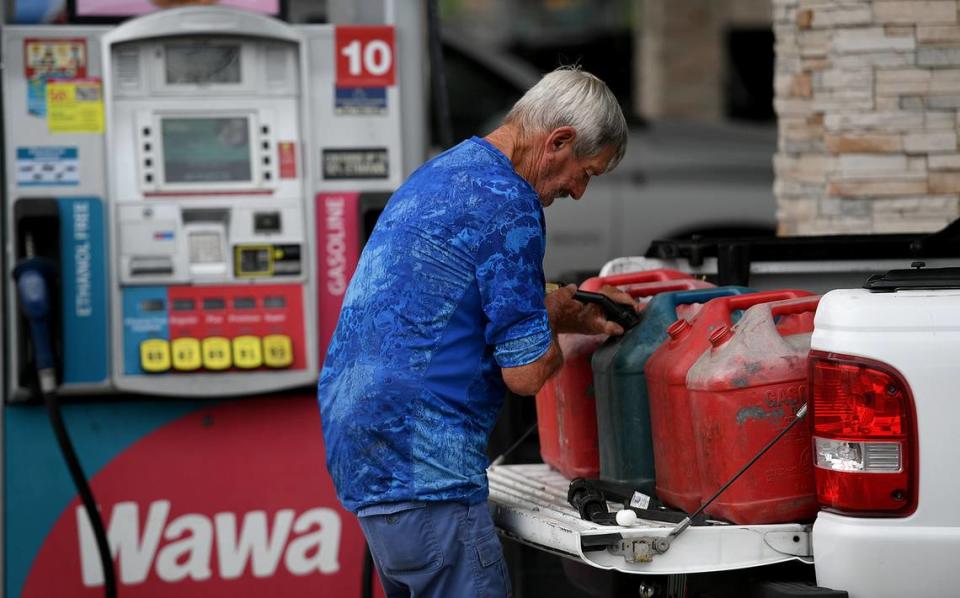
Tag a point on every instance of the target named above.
point(561, 138)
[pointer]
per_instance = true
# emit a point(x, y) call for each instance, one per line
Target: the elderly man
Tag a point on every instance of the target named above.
point(447, 311)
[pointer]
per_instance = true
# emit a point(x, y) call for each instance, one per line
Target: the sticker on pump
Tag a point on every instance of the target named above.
point(50, 59)
point(287, 158)
point(338, 223)
point(63, 58)
point(360, 101)
point(365, 56)
point(356, 163)
point(47, 165)
point(75, 105)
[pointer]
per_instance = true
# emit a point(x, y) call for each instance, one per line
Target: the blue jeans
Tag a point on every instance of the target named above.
point(436, 550)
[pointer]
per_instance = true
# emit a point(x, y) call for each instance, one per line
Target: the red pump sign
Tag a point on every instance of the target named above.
point(365, 56)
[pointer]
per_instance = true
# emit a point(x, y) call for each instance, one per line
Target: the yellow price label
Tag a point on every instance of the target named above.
point(186, 354)
point(155, 355)
point(75, 106)
point(246, 352)
point(216, 353)
point(277, 351)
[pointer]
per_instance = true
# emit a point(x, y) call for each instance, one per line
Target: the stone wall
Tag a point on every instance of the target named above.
point(867, 97)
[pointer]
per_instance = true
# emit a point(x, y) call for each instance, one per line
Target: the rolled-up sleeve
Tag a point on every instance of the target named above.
point(510, 277)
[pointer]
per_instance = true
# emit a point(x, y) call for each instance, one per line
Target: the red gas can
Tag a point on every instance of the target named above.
point(744, 390)
point(674, 450)
point(566, 416)
point(576, 413)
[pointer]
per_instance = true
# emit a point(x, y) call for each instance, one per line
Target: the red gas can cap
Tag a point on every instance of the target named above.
point(678, 328)
point(720, 336)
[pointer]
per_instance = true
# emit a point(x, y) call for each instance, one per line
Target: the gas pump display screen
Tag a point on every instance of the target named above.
point(206, 150)
point(202, 63)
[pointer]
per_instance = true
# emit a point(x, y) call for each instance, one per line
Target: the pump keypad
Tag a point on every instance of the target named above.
point(155, 355)
point(210, 330)
point(246, 352)
point(277, 351)
point(186, 354)
point(217, 353)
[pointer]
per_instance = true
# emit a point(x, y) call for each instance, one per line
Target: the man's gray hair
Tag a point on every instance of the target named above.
point(570, 97)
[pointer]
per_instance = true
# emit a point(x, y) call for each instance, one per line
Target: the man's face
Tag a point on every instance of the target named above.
point(563, 174)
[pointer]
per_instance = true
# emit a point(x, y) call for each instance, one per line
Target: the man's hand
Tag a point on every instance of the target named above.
point(620, 296)
point(569, 315)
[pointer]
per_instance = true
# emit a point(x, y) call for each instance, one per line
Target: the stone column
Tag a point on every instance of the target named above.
point(681, 55)
point(867, 97)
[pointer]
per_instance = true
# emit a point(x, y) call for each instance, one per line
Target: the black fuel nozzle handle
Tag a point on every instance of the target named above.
point(587, 500)
point(624, 315)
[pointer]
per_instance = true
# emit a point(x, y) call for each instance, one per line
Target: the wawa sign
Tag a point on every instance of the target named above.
point(232, 500)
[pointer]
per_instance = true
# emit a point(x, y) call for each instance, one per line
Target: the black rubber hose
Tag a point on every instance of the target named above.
point(366, 587)
point(52, 403)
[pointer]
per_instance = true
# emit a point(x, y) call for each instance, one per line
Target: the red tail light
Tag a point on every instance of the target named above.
point(864, 436)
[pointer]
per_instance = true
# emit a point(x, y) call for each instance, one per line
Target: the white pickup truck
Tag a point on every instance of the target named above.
point(883, 367)
point(883, 417)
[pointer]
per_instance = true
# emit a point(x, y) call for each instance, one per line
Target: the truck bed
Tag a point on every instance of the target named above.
point(529, 504)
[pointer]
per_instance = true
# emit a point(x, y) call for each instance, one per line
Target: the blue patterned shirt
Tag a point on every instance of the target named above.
point(448, 290)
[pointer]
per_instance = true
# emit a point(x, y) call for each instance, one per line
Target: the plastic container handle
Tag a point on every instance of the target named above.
point(665, 287)
point(800, 306)
point(745, 301)
point(594, 284)
point(704, 295)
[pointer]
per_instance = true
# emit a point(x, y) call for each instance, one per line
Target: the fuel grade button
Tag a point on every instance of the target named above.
point(277, 351)
point(246, 352)
point(186, 354)
point(155, 355)
point(217, 353)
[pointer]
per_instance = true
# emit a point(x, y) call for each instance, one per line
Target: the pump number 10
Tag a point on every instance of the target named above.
point(365, 56)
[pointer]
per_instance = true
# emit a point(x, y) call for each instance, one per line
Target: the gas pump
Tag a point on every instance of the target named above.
point(211, 219)
point(202, 180)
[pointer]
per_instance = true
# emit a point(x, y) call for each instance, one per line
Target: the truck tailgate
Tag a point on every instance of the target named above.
point(529, 504)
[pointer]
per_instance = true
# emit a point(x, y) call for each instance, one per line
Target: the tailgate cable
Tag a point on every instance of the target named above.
point(663, 544)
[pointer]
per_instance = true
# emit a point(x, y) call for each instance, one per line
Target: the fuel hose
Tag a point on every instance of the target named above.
point(32, 276)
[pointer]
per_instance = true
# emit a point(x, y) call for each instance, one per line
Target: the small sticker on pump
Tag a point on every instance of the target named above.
point(47, 165)
point(639, 500)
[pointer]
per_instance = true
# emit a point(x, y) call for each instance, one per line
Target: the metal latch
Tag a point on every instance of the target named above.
point(642, 549)
point(796, 543)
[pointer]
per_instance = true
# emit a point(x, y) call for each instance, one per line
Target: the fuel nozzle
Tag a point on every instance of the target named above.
point(624, 315)
point(589, 502)
point(33, 277)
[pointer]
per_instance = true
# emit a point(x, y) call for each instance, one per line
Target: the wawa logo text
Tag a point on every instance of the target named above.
point(195, 546)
